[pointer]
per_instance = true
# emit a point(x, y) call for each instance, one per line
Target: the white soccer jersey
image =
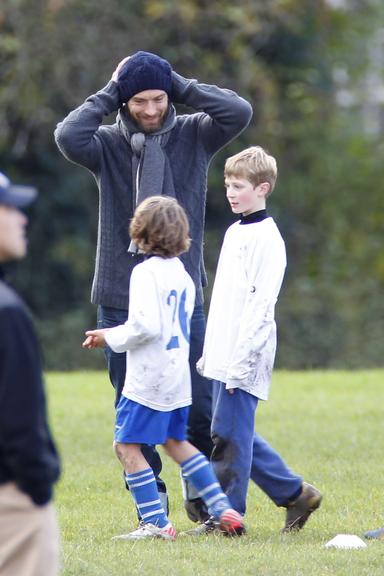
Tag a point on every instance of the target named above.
point(156, 334)
point(240, 341)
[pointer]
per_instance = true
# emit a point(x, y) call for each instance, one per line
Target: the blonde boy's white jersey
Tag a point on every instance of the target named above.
point(240, 341)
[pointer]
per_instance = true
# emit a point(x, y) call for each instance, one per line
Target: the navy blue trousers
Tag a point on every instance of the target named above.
point(239, 454)
point(199, 422)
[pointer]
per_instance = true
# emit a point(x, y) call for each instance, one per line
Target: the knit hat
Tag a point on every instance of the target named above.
point(144, 71)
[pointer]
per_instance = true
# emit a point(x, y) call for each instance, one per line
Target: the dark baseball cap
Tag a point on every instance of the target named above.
point(15, 195)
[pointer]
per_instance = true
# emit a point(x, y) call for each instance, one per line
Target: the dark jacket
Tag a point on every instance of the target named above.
point(107, 153)
point(28, 455)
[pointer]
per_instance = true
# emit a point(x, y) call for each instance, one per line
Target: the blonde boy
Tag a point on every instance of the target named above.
point(154, 405)
point(240, 343)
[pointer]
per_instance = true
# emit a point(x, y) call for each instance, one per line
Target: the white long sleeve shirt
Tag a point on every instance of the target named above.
point(156, 335)
point(240, 341)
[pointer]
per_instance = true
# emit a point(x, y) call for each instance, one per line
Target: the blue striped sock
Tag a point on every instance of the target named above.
point(146, 496)
point(199, 472)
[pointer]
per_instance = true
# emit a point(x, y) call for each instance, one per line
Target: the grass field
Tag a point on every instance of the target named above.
point(327, 425)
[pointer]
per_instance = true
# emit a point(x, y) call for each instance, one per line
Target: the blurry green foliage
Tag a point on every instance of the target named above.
point(279, 54)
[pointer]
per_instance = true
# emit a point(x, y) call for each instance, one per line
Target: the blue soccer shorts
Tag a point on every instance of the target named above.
point(138, 424)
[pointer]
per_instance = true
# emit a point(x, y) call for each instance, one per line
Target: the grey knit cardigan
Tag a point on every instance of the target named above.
point(106, 152)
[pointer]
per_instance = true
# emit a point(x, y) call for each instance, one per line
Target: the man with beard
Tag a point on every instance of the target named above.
point(151, 150)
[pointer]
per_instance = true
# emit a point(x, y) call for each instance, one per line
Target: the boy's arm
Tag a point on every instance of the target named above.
point(257, 318)
point(77, 135)
point(144, 320)
point(95, 338)
point(226, 113)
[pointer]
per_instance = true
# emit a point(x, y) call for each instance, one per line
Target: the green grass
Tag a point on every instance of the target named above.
point(327, 426)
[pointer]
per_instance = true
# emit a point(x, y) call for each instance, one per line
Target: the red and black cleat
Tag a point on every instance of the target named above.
point(231, 523)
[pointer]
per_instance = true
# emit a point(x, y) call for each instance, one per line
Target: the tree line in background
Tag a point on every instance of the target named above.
point(279, 54)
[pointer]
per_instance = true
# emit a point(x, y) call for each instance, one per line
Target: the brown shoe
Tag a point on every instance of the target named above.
point(300, 509)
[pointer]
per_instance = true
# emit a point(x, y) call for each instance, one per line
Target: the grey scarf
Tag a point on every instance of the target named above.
point(151, 170)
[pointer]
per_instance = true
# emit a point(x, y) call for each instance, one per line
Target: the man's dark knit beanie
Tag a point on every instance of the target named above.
point(144, 71)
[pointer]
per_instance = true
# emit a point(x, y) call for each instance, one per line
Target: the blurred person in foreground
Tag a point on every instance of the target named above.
point(29, 463)
point(151, 150)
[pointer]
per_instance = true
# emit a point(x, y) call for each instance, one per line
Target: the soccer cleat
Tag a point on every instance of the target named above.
point(231, 523)
point(300, 509)
point(146, 531)
point(210, 526)
point(377, 534)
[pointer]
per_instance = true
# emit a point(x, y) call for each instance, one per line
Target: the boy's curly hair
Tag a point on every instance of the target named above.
point(160, 226)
